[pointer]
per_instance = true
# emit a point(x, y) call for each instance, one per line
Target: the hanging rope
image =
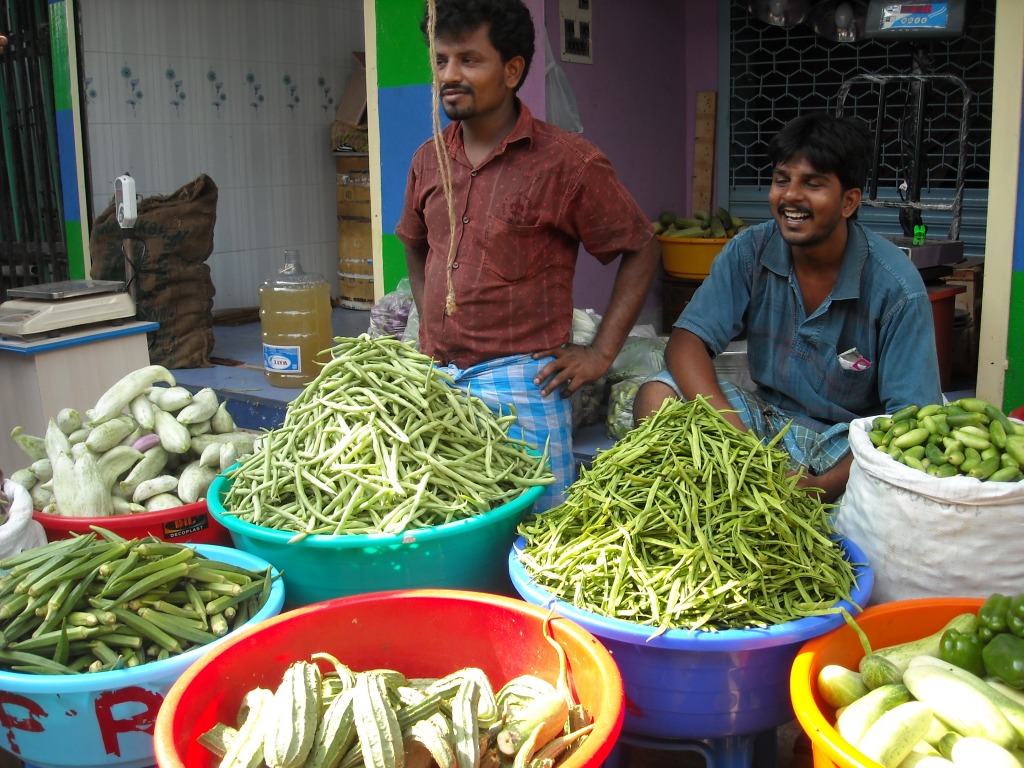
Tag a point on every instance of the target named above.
point(443, 161)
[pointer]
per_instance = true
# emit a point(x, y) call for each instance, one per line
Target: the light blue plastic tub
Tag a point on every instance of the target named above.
point(105, 718)
point(467, 554)
point(687, 684)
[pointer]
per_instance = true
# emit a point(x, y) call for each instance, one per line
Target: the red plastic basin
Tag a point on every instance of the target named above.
point(421, 633)
point(187, 524)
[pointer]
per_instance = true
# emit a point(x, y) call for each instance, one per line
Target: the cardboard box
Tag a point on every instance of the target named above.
point(351, 109)
point(355, 292)
point(969, 273)
point(355, 245)
point(347, 163)
point(353, 202)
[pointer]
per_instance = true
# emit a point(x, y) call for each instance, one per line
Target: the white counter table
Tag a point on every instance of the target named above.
point(38, 377)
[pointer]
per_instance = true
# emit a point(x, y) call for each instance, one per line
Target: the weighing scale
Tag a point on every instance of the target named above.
point(45, 310)
point(915, 23)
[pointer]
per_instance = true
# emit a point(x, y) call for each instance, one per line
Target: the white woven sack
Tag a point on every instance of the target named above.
point(20, 531)
point(929, 537)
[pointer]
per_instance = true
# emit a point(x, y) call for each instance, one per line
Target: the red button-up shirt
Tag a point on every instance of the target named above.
point(520, 219)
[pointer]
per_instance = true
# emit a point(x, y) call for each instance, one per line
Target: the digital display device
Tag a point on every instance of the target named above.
point(912, 21)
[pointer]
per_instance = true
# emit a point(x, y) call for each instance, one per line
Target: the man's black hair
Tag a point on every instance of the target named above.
point(839, 145)
point(510, 23)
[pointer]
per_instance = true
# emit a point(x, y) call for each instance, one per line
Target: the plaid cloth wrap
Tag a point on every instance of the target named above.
point(508, 381)
point(818, 451)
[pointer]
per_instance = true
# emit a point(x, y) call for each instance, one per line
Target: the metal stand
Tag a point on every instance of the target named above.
point(910, 205)
point(758, 750)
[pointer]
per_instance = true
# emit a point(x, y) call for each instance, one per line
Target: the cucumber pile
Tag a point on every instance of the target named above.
point(147, 445)
point(703, 223)
point(969, 436)
point(912, 704)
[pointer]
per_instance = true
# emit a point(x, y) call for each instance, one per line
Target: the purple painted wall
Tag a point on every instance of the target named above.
point(637, 103)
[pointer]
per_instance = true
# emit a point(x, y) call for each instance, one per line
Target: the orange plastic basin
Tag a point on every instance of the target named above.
point(421, 633)
point(885, 624)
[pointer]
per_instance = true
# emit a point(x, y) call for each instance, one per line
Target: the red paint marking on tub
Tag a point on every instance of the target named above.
point(111, 727)
point(19, 714)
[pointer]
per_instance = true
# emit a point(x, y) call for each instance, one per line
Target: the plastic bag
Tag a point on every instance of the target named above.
point(620, 407)
point(411, 334)
point(390, 315)
point(927, 536)
point(19, 531)
point(560, 103)
point(585, 323)
point(639, 358)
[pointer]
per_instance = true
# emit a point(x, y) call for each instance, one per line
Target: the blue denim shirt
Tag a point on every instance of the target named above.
point(879, 306)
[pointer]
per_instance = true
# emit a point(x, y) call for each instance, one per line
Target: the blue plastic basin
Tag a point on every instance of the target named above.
point(686, 684)
point(105, 718)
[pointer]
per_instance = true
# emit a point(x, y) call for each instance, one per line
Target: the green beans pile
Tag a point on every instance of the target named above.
point(689, 523)
point(99, 602)
point(381, 442)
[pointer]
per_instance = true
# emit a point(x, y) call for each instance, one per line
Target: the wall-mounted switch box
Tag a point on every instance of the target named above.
point(577, 42)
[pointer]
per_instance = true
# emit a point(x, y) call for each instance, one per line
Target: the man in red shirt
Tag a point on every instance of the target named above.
point(492, 229)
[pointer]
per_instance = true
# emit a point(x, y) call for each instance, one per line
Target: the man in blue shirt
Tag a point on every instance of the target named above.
point(837, 318)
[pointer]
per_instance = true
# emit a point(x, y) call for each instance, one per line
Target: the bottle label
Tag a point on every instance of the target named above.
point(281, 359)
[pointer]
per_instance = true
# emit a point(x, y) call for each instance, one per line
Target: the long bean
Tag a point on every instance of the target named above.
point(690, 523)
point(396, 447)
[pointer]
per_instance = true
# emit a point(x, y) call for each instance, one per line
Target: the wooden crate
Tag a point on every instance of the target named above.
point(969, 273)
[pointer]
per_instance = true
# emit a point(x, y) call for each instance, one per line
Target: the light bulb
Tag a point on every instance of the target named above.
point(843, 16)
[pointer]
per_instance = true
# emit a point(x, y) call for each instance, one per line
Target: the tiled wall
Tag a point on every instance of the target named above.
point(242, 90)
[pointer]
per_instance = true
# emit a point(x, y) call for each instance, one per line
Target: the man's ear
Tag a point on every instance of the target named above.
point(514, 71)
point(851, 200)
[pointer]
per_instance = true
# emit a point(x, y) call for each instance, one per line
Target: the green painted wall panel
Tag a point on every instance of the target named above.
point(59, 56)
point(394, 262)
point(401, 50)
point(76, 255)
point(1013, 390)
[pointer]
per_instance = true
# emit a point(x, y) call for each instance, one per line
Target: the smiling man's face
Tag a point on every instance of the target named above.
point(809, 205)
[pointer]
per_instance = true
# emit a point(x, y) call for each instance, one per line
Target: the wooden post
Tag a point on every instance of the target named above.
point(704, 151)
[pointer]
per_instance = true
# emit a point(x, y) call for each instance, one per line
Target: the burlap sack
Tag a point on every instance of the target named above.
point(173, 238)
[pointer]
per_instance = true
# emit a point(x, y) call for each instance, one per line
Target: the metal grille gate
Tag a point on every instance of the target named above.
point(777, 73)
point(33, 246)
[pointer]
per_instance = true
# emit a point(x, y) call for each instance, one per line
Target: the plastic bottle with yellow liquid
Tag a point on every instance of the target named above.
point(295, 319)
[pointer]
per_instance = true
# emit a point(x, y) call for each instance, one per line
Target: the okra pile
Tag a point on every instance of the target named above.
point(969, 437)
point(689, 523)
point(381, 442)
point(98, 602)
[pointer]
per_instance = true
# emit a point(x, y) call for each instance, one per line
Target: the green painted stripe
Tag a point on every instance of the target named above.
point(393, 257)
point(76, 252)
point(1013, 387)
point(59, 55)
point(402, 57)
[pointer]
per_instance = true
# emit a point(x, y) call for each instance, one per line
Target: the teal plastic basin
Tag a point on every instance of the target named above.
point(469, 554)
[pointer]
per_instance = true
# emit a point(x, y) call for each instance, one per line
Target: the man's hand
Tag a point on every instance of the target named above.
point(3, 43)
point(572, 367)
point(832, 484)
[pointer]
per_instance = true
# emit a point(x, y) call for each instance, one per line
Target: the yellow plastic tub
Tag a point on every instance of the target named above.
point(690, 257)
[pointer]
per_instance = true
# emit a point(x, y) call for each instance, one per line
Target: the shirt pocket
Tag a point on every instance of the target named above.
point(516, 252)
point(851, 389)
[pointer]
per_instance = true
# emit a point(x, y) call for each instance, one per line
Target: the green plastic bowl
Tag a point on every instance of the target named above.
point(469, 554)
